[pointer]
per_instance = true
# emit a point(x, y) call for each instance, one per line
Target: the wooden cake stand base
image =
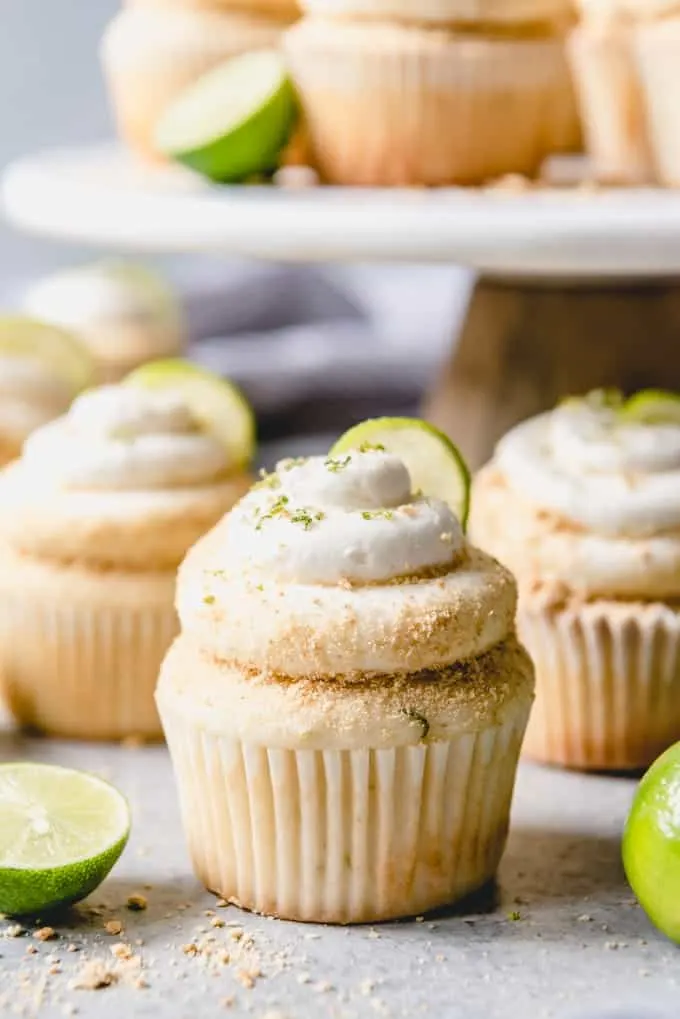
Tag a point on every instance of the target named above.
point(524, 346)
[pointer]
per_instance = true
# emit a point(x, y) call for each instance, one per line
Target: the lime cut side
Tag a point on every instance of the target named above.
point(218, 405)
point(61, 832)
point(56, 348)
point(233, 122)
point(651, 844)
point(653, 406)
point(436, 466)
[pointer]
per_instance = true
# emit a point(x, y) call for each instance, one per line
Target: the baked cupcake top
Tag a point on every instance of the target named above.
point(588, 495)
point(131, 476)
point(447, 13)
point(332, 566)
point(121, 310)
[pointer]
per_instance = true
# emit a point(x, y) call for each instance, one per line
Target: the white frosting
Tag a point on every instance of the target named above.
point(120, 438)
point(596, 468)
point(349, 518)
point(30, 396)
point(91, 297)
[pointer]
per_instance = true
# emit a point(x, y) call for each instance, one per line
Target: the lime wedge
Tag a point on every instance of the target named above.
point(651, 843)
point(436, 466)
point(54, 347)
point(233, 122)
point(218, 405)
point(61, 832)
point(653, 407)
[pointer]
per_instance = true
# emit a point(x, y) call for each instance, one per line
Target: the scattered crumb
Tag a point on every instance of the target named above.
point(190, 949)
point(227, 1002)
point(121, 950)
point(15, 930)
point(366, 987)
point(304, 978)
point(113, 927)
point(72, 948)
point(45, 934)
point(31, 950)
point(54, 970)
point(93, 977)
point(217, 922)
point(247, 978)
point(136, 902)
point(373, 933)
point(420, 919)
point(584, 918)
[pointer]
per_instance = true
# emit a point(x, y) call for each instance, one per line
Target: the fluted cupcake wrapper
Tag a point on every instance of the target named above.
point(409, 112)
point(82, 671)
point(657, 55)
point(607, 683)
point(344, 836)
point(612, 103)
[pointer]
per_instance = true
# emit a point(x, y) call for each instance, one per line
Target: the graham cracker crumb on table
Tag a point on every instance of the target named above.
point(15, 930)
point(121, 950)
point(94, 976)
point(45, 934)
point(113, 927)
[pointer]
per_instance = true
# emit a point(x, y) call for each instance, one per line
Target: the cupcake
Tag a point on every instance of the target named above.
point(345, 704)
point(41, 370)
point(125, 314)
point(657, 49)
point(94, 519)
point(150, 55)
point(583, 505)
point(394, 104)
point(612, 104)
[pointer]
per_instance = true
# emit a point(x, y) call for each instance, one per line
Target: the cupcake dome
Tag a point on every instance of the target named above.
point(94, 519)
point(123, 312)
point(583, 504)
point(347, 665)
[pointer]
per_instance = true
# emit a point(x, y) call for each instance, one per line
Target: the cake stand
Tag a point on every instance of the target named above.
point(578, 287)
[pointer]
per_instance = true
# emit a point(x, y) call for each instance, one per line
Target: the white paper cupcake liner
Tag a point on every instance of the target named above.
point(607, 683)
point(388, 105)
point(612, 103)
point(344, 836)
point(82, 671)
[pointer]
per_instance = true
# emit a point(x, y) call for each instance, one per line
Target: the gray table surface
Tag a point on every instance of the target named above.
point(564, 937)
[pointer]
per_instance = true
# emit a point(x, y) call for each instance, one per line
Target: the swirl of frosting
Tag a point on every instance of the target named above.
point(597, 468)
point(122, 438)
point(30, 396)
point(351, 518)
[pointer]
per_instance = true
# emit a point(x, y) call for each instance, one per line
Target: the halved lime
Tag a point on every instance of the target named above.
point(218, 405)
point(653, 407)
point(58, 349)
point(61, 832)
point(436, 466)
point(233, 122)
point(651, 843)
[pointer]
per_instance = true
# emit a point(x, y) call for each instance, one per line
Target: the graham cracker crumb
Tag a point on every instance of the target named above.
point(15, 930)
point(136, 902)
point(93, 977)
point(227, 1002)
point(216, 922)
point(121, 950)
point(247, 978)
point(113, 927)
point(31, 950)
point(72, 948)
point(190, 949)
point(45, 934)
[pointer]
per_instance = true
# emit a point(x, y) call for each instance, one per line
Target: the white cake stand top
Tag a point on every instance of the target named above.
point(101, 195)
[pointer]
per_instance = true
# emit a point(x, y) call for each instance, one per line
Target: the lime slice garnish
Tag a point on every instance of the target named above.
point(653, 407)
point(436, 466)
point(61, 832)
point(58, 349)
point(233, 122)
point(218, 405)
point(651, 843)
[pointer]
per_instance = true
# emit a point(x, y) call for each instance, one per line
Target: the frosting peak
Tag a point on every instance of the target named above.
point(120, 437)
point(598, 467)
point(347, 518)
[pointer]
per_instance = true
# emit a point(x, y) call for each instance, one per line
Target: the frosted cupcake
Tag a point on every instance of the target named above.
point(150, 55)
point(610, 93)
point(41, 370)
point(125, 313)
point(347, 699)
point(395, 104)
point(94, 519)
point(583, 504)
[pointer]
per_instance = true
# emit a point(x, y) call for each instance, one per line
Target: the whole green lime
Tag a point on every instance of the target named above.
point(651, 843)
